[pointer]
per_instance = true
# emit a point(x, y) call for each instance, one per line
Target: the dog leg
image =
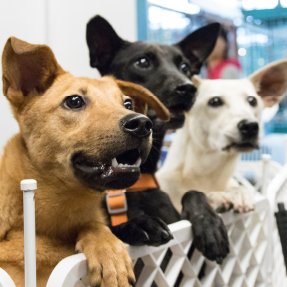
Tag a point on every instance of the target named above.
point(108, 261)
point(143, 229)
point(147, 225)
point(209, 233)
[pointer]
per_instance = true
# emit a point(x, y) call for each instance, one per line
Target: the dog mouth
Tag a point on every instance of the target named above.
point(127, 159)
point(242, 146)
point(177, 116)
point(120, 172)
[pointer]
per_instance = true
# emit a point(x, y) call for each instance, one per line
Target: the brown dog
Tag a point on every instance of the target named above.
point(78, 136)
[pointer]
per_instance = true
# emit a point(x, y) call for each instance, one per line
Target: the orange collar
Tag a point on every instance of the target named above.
point(145, 181)
point(116, 199)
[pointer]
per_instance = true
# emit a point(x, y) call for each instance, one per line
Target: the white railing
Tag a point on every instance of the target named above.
point(255, 257)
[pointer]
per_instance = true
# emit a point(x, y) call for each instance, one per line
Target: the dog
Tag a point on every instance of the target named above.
point(166, 70)
point(78, 137)
point(224, 122)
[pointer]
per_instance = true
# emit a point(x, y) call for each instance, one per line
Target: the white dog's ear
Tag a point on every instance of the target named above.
point(196, 80)
point(271, 82)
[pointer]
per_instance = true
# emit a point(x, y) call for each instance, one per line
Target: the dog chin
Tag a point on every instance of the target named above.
point(119, 172)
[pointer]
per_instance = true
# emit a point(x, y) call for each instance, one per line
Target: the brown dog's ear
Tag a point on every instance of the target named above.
point(271, 82)
point(27, 68)
point(142, 98)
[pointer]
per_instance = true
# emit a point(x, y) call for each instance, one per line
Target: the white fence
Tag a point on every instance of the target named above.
point(255, 258)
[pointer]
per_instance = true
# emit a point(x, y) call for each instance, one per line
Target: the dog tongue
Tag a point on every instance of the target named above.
point(124, 169)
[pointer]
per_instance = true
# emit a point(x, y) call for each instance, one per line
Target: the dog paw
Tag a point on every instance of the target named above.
point(210, 236)
point(209, 232)
point(108, 261)
point(220, 201)
point(143, 230)
point(242, 200)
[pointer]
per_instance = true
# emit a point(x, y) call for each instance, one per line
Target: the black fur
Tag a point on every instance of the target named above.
point(166, 70)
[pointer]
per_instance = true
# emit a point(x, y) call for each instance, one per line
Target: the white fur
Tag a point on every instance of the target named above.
point(197, 159)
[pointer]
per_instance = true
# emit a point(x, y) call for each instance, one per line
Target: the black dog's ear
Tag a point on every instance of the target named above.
point(198, 45)
point(103, 43)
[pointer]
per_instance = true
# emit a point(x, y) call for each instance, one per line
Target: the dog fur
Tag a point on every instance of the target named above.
point(166, 70)
point(70, 129)
point(224, 121)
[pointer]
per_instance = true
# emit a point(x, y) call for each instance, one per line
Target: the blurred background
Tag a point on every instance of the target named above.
point(255, 31)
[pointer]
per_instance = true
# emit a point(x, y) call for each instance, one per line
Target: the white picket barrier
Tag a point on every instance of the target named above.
point(255, 257)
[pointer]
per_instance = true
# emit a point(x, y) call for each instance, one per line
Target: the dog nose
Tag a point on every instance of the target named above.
point(248, 129)
point(137, 125)
point(185, 90)
point(188, 92)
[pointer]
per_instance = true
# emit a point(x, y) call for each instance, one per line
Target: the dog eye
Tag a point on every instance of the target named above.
point(128, 104)
point(215, 102)
point(252, 101)
point(184, 67)
point(143, 63)
point(74, 102)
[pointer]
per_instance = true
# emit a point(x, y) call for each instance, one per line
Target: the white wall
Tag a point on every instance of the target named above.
point(61, 24)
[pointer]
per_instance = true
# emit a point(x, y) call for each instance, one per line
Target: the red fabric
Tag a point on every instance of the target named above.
point(215, 72)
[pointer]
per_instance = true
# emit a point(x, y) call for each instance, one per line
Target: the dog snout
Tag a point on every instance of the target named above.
point(248, 129)
point(137, 125)
point(186, 91)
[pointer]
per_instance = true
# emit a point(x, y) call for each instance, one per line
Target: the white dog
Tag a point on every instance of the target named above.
point(224, 121)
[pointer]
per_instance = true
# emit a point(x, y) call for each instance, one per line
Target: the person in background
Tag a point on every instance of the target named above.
point(219, 65)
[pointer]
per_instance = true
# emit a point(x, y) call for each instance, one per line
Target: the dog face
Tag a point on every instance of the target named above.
point(83, 129)
point(163, 69)
point(226, 114)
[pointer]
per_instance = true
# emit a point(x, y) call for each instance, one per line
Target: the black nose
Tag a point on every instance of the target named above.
point(137, 125)
point(248, 129)
point(187, 92)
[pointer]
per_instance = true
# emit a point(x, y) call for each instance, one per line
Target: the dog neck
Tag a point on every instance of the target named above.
point(207, 170)
point(195, 168)
point(151, 164)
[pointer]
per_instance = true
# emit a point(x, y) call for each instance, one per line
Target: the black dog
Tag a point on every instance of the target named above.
point(166, 70)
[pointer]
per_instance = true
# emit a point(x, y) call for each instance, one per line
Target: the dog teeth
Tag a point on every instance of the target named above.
point(115, 162)
point(124, 165)
point(138, 162)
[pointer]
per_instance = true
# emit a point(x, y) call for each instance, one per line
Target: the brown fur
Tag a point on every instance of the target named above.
point(68, 213)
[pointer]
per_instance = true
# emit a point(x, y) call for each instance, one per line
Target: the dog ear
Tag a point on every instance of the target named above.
point(103, 43)
point(196, 80)
point(27, 68)
point(271, 82)
point(198, 45)
point(143, 98)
